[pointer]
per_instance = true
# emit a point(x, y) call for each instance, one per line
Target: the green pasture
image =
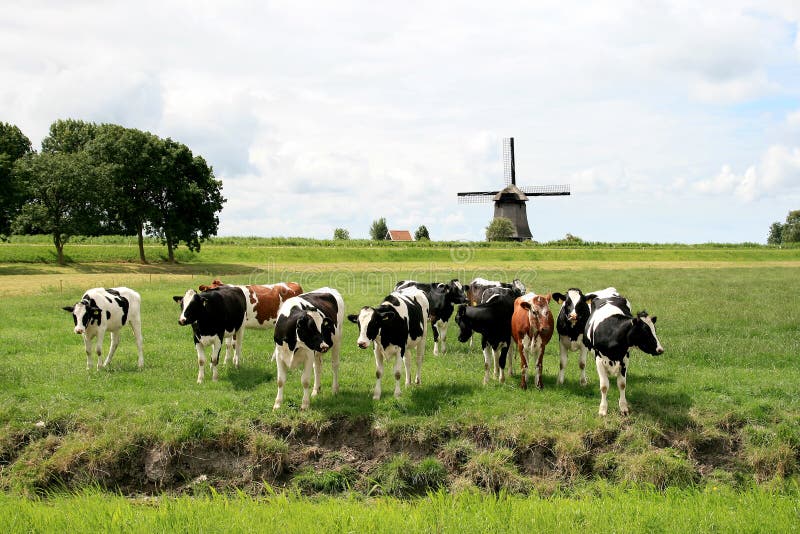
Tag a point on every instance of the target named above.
point(719, 409)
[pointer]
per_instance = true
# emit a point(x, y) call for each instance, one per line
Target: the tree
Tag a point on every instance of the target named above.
point(64, 197)
point(186, 199)
point(775, 231)
point(68, 136)
point(378, 230)
point(500, 229)
point(131, 158)
point(13, 145)
point(341, 234)
point(422, 233)
point(789, 232)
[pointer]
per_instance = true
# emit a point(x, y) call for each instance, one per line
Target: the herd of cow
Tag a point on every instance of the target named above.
point(308, 325)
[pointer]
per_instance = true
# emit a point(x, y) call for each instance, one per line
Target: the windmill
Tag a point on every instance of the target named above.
point(510, 201)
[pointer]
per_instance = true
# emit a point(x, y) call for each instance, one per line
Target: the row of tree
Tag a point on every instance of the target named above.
point(101, 179)
point(379, 231)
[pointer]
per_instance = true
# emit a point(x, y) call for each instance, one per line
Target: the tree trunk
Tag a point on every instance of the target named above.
point(170, 250)
point(141, 245)
point(59, 248)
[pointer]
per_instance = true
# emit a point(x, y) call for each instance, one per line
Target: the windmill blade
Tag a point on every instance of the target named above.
point(476, 197)
point(509, 170)
point(545, 190)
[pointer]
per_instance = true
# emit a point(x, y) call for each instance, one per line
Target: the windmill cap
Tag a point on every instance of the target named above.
point(511, 192)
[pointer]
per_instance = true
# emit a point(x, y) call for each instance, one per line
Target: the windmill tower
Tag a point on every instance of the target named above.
point(510, 201)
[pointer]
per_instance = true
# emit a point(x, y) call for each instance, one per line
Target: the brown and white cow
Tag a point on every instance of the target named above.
point(263, 302)
point(532, 328)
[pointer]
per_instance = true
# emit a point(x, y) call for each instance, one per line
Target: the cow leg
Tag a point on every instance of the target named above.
point(378, 371)
point(582, 364)
point(420, 355)
point(443, 336)
point(228, 349)
point(435, 330)
point(305, 380)
point(502, 358)
point(115, 336)
point(281, 379)
point(622, 381)
point(335, 365)
point(136, 326)
point(603, 376)
point(216, 348)
point(317, 374)
point(99, 347)
point(523, 362)
point(499, 372)
point(398, 361)
point(87, 344)
point(201, 362)
point(486, 350)
point(540, 348)
point(562, 353)
point(407, 365)
point(238, 338)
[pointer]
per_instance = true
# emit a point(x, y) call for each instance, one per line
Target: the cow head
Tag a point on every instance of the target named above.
point(455, 292)
point(192, 306)
point(538, 306)
point(465, 328)
point(214, 283)
point(574, 305)
point(643, 334)
point(315, 330)
point(84, 313)
point(369, 321)
point(518, 287)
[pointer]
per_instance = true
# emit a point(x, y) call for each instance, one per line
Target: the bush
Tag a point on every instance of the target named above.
point(500, 229)
point(341, 234)
point(422, 234)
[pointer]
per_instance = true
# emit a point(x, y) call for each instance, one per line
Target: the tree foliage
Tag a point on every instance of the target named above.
point(69, 136)
point(13, 146)
point(341, 234)
point(788, 232)
point(422, 233)
point(500, 229)
point(64, 197)
point(378, 229)
point(186, 199)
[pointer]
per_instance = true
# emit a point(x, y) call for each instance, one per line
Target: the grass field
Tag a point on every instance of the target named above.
point(719, 409)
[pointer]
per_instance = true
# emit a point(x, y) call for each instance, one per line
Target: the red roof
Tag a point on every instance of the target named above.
point(400, 235)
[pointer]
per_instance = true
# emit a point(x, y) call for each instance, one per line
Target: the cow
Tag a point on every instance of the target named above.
point(531, 328)
point(493, 321)
point(570, 324)
point(101, 310)
point(308, 325)
point(610, 332)
point(263, 301)
point(397, 325)
point(215, 314)
point(442, 299)
point(477, 287)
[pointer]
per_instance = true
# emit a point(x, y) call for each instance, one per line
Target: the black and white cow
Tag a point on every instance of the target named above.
point(610, 332)
point(399, 324)
point(101, 310)
point(442, 299)
point(478, 286)
point(493, 321)
point(570, 324)
point(308, 325)
point(215, 314)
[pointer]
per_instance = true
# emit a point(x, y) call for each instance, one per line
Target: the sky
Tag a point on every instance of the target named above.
point(670, 121)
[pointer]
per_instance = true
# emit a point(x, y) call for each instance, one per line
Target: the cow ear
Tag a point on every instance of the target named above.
point(69, 308)
point(653, 318)
point(387, 315)
point(327, 323)
point(178, 299)
point(548, 297)
point(525, 305)
point(559, 298)
point(353, 318)
point(636, 321)
point(589, 298)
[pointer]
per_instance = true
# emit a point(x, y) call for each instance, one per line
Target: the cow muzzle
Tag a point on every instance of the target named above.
point(78, 330)
point(324, 348)
point(182, 321)
point(363, 344)
point(660, 351)
point(573, 318)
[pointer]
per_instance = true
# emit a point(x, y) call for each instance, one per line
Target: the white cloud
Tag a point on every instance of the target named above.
point(793, 119)
point(777, 174)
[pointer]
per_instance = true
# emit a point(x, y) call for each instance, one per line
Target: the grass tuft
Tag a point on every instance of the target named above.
point(496, 471)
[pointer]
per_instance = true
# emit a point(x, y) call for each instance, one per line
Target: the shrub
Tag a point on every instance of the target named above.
point(422, 234)
point(378, 230)
point(500, 229)
point(341, 234)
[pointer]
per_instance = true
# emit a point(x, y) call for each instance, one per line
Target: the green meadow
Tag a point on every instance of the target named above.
point(713, 439)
